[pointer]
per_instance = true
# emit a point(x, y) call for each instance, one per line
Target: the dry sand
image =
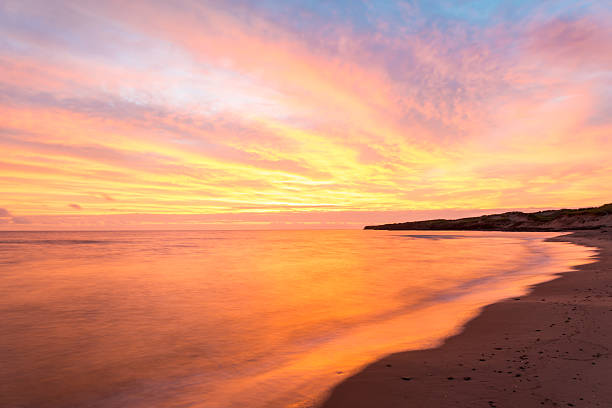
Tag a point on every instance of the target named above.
point(547, 349)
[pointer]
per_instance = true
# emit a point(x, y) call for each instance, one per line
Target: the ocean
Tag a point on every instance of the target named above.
point(239, 318)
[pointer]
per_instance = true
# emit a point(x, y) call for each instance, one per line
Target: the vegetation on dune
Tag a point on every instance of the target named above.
point(549, 220)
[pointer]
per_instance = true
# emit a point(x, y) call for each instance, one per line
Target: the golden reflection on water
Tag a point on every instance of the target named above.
point(238, 318)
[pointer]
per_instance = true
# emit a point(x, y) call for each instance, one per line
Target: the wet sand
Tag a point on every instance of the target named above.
point(547, 349)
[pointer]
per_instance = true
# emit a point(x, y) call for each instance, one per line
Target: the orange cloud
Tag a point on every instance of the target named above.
point(203, 109)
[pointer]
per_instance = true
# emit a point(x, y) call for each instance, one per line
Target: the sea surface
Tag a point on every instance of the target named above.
point(239, 318)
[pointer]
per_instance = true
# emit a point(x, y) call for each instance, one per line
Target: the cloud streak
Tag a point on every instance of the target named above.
point(285, 108)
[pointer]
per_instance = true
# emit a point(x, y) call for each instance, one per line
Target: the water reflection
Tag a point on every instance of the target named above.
point(238, 318)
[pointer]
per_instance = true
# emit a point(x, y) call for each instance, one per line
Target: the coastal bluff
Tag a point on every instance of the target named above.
point(550, 220)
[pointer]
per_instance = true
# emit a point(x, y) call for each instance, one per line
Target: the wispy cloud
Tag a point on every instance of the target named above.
point(285, 107)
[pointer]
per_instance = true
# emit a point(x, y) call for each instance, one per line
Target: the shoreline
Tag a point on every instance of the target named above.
point(549, 348)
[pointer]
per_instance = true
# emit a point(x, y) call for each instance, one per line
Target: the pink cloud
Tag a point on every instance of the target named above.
point(574, 43)
point(195, 108)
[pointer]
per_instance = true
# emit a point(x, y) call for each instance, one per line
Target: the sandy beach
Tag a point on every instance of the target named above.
point(546, 349)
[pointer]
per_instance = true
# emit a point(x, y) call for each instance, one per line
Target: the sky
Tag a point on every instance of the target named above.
point(299, 114)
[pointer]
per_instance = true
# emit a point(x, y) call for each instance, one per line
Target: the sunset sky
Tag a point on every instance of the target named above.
point(299, 114)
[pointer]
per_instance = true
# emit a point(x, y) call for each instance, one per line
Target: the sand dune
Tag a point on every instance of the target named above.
point(551, 220)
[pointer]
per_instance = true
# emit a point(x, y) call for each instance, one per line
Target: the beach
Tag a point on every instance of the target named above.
point(549, 348)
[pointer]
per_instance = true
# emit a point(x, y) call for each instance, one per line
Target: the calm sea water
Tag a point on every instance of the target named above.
point(238, 318)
